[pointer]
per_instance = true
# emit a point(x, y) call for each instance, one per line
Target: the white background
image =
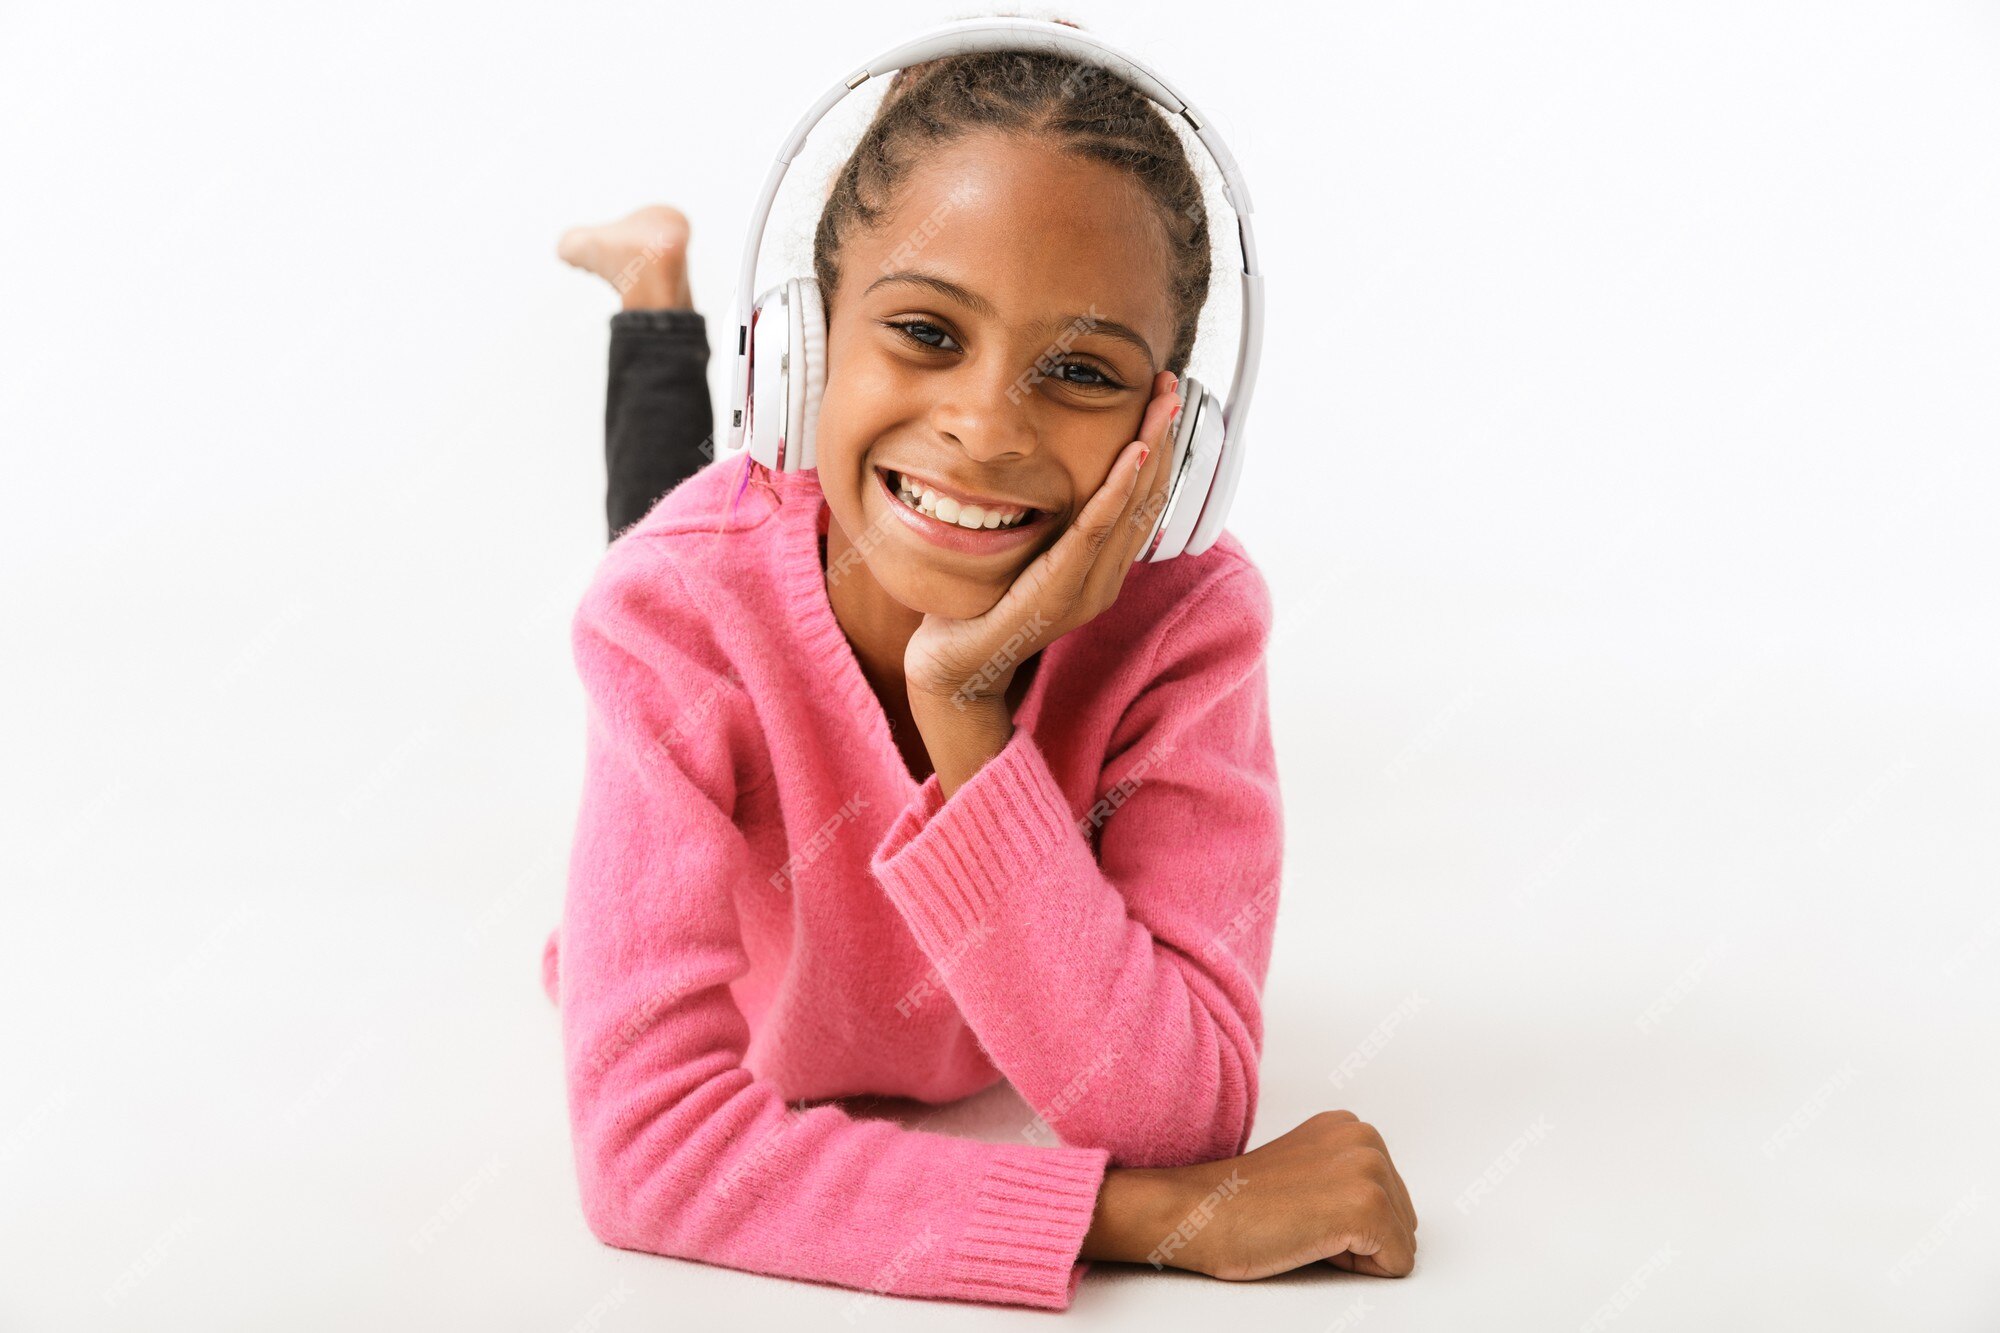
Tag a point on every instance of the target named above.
point(1624, 473)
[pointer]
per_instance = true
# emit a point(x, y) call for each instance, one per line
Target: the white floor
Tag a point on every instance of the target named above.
point(1623, 473)
point(280, 1056)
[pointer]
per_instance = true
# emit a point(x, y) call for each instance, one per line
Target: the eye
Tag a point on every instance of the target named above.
point(920, 331)
point(1102, 380)
point(932, 338)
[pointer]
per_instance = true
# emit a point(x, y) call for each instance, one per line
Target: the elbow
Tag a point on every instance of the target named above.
point(1205, 1116)
point(1180, 1121)
point(600, 1155)
point(626, 1207)
point(637, 1149)
point(606, 1200)
point(654, 1188)
point(1199, 1134)
point(652, 1217)
point(1193, 1136)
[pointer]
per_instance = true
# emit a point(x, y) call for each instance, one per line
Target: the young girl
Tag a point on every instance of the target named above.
point(903, 777)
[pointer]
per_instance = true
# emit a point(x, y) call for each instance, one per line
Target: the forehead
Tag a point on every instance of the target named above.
point(1036, 231)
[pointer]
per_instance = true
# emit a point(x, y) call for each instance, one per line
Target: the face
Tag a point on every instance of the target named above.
point(995, 337)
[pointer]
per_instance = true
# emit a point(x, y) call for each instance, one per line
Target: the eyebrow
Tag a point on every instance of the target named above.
point(978, 304)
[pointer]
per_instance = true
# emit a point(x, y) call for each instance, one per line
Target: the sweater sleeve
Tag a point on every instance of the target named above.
point(1118, 985)
point(679, 1149)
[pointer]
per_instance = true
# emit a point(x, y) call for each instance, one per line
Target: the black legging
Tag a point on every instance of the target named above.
point(659, 428)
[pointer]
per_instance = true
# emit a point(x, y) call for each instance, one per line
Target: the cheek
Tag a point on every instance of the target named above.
point(838, 435)
point(1087, 452)
point(857, 402)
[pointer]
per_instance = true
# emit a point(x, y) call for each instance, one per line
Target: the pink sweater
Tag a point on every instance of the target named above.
point(765, 907)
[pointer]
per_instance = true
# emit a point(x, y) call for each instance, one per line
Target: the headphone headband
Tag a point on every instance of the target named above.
point(1018, 34)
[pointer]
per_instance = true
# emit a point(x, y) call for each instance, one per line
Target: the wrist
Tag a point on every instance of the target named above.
point(954, 720)
point(955, 704)
point(1137, 1208)
point(961, 737)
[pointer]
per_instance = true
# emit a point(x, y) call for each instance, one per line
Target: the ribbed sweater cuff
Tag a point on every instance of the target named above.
point(946, 863)
point(1028, 1221)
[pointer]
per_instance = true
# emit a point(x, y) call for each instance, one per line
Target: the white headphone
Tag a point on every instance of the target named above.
point(779, 367)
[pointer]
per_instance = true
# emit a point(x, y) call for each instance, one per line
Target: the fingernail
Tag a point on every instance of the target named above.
point(1143, 454)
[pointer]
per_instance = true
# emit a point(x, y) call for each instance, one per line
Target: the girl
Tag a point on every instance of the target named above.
point(902, 777)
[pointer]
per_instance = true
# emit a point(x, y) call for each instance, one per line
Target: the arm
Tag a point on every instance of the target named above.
point(1119, 988)
point(679, 1149)
point(659, 427)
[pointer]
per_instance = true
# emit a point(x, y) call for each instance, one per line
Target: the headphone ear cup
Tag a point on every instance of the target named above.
point(1196, 442)
point(1226, 460)
point(809, 371)
point(768, 406)
point(1209, 505)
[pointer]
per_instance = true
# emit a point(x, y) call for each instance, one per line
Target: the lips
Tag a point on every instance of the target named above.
point(960, 493)
point(956, 537)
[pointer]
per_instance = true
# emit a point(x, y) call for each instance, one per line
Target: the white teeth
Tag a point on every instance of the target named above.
point(926, 500)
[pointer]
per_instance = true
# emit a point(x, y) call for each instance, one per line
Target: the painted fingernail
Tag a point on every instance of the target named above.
point(1143, 454)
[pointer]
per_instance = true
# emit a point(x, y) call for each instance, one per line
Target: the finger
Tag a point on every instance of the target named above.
point(1057, 578)
point(1359, 1263)
point(1143, 513)
point(1394, 1198)
point(1141, 510)
point(1356, 1263)
point(1099, 520)
point(1402, 1194)
point(1068, 572)
point(1388, 1254)
point(1391, 1180)
point(1399, 1200)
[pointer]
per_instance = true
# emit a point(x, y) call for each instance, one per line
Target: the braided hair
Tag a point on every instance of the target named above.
point(1078, 108)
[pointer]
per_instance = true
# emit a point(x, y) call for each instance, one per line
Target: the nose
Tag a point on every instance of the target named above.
point(985, 407)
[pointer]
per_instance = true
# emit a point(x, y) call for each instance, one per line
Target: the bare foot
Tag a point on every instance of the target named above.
point(643, 255)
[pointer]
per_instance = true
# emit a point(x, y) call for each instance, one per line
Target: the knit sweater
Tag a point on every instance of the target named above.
point(765, 907)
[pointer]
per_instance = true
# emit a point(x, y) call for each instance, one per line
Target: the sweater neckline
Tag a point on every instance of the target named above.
point(804, 514)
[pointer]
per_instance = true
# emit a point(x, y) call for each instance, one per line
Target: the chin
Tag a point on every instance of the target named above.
point(930, 592)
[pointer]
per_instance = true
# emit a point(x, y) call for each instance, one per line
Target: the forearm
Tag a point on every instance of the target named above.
point(1136, 1035)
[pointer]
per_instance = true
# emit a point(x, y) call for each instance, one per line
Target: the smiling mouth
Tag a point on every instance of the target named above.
point(943, 508)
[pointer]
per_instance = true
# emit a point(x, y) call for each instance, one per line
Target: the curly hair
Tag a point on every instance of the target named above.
point(1080, 109)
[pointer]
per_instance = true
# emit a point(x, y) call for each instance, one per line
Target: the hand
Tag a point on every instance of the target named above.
point(1325, 1191)
point(970, 661)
